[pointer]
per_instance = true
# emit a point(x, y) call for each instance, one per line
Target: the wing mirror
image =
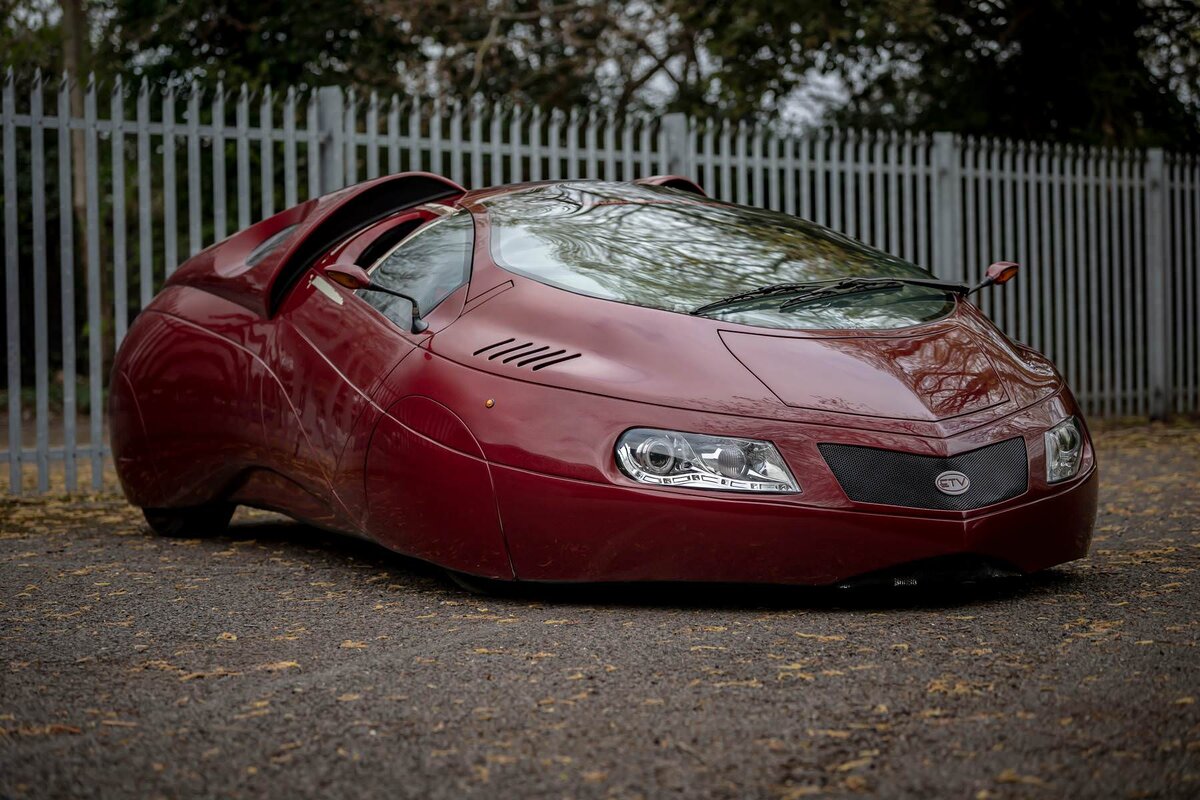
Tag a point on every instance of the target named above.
point(352, 276)
point(997, 273)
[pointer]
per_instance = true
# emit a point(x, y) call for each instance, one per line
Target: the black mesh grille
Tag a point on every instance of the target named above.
point(870, 475)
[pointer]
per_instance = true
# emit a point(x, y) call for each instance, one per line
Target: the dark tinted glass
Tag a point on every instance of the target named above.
point(429, 265)
point(661, 248)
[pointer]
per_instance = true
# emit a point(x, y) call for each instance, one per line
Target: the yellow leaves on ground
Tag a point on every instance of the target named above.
point(752, 683)
point(52, 729)
point(216, 672)
point(794, 671)
point(1011, 776)
point(350, 644)
point(853, 764)
point(796, 792)
point(257, 708)
point(855, 783)
point(948, 684)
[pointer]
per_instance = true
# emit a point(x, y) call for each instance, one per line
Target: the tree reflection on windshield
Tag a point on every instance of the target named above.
point(657, 247)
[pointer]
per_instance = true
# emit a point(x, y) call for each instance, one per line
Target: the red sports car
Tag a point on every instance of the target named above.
point(592, 381)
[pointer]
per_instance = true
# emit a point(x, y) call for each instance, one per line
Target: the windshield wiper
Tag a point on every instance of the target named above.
point(812, 290)
point(852, 285)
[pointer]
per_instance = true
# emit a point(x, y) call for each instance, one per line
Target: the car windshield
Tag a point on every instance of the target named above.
point(661, 248)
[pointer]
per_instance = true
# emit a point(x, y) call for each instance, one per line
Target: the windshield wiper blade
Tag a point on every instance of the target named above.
point(809, 290)
point(762, 291)
point(853, 285)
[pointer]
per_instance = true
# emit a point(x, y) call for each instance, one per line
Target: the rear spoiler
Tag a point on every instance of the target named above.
point(228, 269)
point(674, 182)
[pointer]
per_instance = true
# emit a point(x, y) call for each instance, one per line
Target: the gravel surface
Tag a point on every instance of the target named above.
point(281, 661)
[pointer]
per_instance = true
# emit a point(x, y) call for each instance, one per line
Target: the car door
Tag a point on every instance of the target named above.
point(329, 349)
point(334, 345)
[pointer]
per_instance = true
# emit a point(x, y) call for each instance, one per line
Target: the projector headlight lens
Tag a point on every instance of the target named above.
point(1064, 450)
point(699, 461)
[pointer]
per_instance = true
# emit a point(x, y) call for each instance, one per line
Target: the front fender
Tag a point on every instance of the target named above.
point(429, 490)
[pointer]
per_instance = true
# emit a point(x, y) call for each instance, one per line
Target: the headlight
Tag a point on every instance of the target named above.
point(1064, 450)
point(669, 458)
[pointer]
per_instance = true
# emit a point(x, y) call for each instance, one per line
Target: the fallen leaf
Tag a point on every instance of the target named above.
point(1011, 776)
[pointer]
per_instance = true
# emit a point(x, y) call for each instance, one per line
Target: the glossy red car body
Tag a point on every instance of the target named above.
point(254, 385)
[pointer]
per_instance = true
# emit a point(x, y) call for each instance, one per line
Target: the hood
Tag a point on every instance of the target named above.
point(924, 377)
point(935, 380)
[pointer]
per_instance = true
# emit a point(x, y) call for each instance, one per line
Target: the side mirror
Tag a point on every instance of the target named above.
point(352, 276)
point(996, 274)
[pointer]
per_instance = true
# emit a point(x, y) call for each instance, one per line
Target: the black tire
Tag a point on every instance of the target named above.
point(486, 587)
point(190, 523)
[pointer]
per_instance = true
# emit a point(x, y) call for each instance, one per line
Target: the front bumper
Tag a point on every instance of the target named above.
point(559, 529)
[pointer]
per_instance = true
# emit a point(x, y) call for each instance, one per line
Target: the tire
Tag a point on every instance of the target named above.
point(485, 587)
point(190, 523)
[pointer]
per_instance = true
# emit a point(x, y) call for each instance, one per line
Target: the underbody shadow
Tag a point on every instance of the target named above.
point(934, 593)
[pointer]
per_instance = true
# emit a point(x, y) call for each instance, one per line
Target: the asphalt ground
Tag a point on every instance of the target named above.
point(281, 661)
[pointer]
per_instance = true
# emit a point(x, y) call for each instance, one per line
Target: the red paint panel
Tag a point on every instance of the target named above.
point(431, 502)
point(200, 405)
point(564, 530)
point(928, 376)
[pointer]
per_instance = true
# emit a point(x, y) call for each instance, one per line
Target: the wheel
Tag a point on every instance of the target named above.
point(480, 586)
point(192, 522)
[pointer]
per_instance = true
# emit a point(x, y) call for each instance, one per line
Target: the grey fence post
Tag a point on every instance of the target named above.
point(947, 209)
point(1158, 333)
point(675, 141)
point(331, 110)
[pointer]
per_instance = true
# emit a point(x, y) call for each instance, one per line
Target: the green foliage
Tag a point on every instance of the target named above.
point(1123, 72)
point(1115, 72)
point(257, 42)
point(30, 36)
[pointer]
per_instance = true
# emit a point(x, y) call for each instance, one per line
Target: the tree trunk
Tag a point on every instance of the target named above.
point(75, 44)
point(75, 63)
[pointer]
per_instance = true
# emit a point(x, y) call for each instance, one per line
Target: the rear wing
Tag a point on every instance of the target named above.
point(257, 267)
point(673, 182)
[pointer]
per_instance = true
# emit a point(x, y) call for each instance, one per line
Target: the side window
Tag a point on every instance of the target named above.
point(428, 265)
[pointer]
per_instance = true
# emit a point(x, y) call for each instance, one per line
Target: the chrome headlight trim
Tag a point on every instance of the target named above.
point(703, 461)
point(1064, 450)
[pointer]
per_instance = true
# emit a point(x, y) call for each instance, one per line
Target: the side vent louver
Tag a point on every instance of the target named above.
point(525, 354)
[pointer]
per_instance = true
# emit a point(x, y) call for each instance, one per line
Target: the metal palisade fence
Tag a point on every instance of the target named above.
point(99, 209)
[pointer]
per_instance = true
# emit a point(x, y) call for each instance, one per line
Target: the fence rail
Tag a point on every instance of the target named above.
point(1108, 239)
